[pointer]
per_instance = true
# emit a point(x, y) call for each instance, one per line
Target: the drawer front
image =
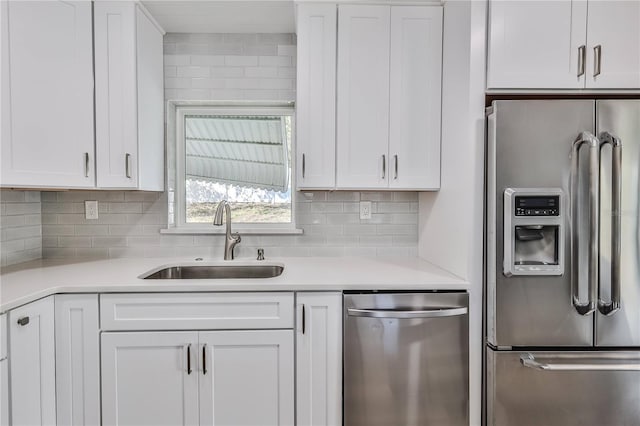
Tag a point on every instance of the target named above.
point(196, 311)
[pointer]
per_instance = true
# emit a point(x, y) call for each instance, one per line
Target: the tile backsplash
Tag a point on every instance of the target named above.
point(129, 225)
point(20, 227)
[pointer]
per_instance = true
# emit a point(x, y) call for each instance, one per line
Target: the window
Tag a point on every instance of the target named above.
point(237, 153)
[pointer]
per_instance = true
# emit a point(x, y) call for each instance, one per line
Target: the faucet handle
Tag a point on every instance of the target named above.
point(260, 254)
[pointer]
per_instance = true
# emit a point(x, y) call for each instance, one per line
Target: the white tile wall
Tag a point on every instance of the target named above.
point(228, 67)
point(129, 224)
point(20, 227)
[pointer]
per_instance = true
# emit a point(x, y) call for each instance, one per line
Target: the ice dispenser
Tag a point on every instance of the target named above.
point(533, 231)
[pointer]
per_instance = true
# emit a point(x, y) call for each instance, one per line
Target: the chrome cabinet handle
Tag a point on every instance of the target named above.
point(597, 60)
point(585, 138)
point(384, 166)
point(86, 164)
point(189, 359)
point(529, 361)
point(204, 359)
point(395, 159)
point(304, 319)
point(609, 308)
point(400, 314)
point(303, 166)
point(582, 51)
point(23, 321)
point(127, 165)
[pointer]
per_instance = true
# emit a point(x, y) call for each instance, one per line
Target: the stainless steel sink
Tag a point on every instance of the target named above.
point(203, 272)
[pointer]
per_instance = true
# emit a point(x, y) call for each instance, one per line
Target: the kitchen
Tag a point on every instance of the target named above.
point(423, 235)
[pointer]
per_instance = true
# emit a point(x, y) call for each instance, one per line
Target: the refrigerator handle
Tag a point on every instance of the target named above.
point(609, 308)
point(585, 138)
point(529, 361)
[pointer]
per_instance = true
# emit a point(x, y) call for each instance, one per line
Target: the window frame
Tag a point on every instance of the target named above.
point(230, 108)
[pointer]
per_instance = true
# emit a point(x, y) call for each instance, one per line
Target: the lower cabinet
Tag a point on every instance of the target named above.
point(319, 359)
point(4, 372)
point(228, 378)
point(32, 364)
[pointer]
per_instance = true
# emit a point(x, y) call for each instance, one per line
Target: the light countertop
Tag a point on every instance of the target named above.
point(23, 283)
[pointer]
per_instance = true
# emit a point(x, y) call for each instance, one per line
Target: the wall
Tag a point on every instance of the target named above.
point(228, 67)
point(20, 227)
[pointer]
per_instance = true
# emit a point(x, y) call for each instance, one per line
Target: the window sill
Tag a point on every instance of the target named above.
point(240, 230)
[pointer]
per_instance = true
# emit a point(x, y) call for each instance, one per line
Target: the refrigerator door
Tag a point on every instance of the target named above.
point(620, 118)
point(529, 146)
point(563, 388)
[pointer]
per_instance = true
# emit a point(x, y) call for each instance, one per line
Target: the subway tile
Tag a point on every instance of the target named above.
point(226, 72)
point(209, 83)
point(343, 196)
point(11, 221)
point(169, 48)
point(31, 243)
point(49, 219)
point(22, 208)
point(32, 196)
point(286, 50)
point(193, 71)
point(126, 230)
point(275, 38)
point(383, 207)
point(32, 219)
point(241, 61)
point(342, 240)
point(311, 219)
point(274, 61)
point(321, 207)
point(177, 83)
point(176, 38)
point(143, 196)
point(49, 242)
point(109, 242)
point(144, 241)
point(226, 94)
point(287, 72)
point(287, 95)
point(62, 207)
point(12, 246)
point(189, 48)
point(58, 253)
point(260, 49)
point(324, 229)
point(207, 60)
point(374, 240)
point(131, 207)
point(11, 196)
point(343, 218)
point(376, 196)
point(74, 241)
point(21, 233)
point(256, 95)
point(48, 196)
point(405, 240)
point(243, 38)
point(263, 72)
point(397, 229)
point(405, 196)
point(360, 229)
point(92, 230)
point(226, 49)
point(92, 253)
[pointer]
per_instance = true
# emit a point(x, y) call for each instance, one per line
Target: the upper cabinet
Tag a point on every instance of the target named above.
point(316, 93)
point(47, 94)
point(129, 97)
point(374, 122)
point(564, 44)
point(48, 55)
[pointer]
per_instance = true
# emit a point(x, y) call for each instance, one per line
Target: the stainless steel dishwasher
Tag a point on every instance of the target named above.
point(406, 359)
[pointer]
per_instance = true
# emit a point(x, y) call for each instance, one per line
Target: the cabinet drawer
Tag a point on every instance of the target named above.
point(196, 311)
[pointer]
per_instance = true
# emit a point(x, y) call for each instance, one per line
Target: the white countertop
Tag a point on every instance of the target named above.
point(23, 283)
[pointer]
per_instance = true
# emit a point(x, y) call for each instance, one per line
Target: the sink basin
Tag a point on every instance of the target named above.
point(203, 272)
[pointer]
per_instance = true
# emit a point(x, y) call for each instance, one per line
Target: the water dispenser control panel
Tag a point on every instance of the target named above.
point(533, 231)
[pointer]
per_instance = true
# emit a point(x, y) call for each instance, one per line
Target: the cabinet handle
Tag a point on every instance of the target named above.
point(127, 165)
point(395, 158)
point(23, 321)
point(597, 54)
point(304, 317)
point(204, 359)
point(582, 51)
point(189, 359)
point(384, 166)
point(303, 166)
point(86, 164)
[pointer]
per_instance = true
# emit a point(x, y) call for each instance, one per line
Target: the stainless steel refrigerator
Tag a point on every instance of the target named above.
point(562, 257)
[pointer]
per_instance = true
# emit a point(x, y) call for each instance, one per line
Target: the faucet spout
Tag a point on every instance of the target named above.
point(230, 240)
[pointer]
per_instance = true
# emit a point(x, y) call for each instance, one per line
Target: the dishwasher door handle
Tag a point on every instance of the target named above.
point(402, 314)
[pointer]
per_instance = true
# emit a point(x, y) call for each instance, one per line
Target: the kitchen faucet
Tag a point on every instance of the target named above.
point(230, 240)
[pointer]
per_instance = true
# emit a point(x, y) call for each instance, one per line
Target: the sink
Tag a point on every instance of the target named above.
point(203, 272)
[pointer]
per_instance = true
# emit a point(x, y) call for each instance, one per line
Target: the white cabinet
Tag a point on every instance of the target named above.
point(149, 379)
point(4, 372)
point(614, 35)
point(388, 97)
point(47, 94)
point(32, 363)
point(246, 377)
point(77, 359)
point(235, 376)
point(564, 44)
point(316, 96)
point(319, 359)
point(129, 97)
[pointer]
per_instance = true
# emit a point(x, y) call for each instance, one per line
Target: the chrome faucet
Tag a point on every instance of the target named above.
point(230, 240)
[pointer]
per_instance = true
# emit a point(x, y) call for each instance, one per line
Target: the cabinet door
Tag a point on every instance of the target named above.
point(246, 378)
point(316, 96)
point(33, 368)
point(116, 108)
point(363, 97)
point(415, 91)
point(319, 359)
point(77, 359)
point(47, 94)
point(148, 378)
point(535, 44)
point(4, 372)
point(613, 33)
